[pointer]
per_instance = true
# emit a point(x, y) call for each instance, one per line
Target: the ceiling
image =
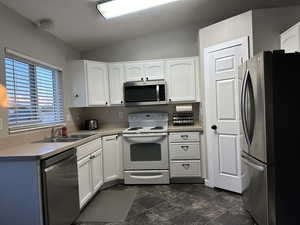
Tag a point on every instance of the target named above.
point(78, 23)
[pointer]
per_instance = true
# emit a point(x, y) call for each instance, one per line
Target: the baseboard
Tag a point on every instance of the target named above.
point(187, 180)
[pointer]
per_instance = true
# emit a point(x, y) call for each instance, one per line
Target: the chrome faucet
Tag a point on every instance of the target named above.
point(54, 131)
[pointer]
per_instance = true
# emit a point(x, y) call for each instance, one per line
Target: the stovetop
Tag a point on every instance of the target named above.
point(147, 123)
point(151, 129)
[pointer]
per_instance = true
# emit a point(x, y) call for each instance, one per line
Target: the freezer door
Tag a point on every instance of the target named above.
point(255, 196)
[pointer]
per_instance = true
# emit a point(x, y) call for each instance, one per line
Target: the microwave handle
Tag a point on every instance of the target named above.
point(157, 93)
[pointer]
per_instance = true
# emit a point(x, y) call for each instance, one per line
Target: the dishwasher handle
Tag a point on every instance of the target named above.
point(60, 163)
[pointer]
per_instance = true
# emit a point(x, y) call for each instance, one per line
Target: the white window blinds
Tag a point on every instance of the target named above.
point(35, 95)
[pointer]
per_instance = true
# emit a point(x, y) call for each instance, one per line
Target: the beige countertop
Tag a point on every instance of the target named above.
point(41, 150)
point(44, 150)
point(197, 127)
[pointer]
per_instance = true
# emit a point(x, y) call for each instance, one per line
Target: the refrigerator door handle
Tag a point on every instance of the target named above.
point(243, 113)
point(257, 167)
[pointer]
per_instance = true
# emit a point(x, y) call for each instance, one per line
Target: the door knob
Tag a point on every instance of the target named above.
point(214, 127)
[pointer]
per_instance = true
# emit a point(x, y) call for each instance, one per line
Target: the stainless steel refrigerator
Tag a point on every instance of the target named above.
point(269, 91)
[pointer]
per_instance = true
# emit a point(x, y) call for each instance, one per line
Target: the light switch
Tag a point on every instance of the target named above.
point(1, 123)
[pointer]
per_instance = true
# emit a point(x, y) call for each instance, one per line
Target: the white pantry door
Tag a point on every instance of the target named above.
point(222, 113)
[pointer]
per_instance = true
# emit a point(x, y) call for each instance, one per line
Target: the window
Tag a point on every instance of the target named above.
point(35, 97)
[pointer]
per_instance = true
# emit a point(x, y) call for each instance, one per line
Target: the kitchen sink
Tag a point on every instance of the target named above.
point(70, 138)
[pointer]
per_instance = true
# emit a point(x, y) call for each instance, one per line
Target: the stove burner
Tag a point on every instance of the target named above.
point(135, 128)
point(157, 128)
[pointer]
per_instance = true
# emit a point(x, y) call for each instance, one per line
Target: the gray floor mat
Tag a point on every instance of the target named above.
point(108, 206)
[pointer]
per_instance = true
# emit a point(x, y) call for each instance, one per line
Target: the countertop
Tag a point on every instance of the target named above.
point(197, 127)
point(40, 150)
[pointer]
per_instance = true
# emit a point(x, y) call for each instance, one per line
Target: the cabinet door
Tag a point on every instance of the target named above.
point(116, 80)
point(97, 170)
point(134, 71)
point(79, 95)
point(181, 78)
point(97, 83)
point(84, 180)
point(290, 40)
point(110, 158)
point(154, 70)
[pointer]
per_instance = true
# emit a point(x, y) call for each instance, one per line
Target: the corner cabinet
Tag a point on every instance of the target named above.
point(290, 39)
point(116, 80)
point(183, 79)
point(111, 158)
point(89, 83)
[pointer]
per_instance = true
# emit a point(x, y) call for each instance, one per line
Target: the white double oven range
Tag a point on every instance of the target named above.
point(146, 156)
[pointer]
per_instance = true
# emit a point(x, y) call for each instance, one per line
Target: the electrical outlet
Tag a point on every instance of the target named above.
point(121, 115)
point(1, 123)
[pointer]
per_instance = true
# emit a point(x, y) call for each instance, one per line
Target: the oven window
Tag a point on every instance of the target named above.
point(145, 152)
point(141, 93)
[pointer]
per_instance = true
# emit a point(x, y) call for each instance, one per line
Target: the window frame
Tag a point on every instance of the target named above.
point(58, 100)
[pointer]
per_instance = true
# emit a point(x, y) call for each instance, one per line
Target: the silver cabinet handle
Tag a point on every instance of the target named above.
point(184, 137)
point(185, 148)
point(186, 166)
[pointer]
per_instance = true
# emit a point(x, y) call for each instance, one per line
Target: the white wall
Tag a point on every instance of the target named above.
point(19, 34)
point(268, 24)
point(181, 42)
point(226, 30)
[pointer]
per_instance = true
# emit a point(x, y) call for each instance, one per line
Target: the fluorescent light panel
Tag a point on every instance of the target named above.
point(117, 8)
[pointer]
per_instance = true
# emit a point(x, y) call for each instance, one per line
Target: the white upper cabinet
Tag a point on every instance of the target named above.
point(143, 71)
point(90, 85)
point(182, 80)
point(290, 39)
point(134, 71)
point(116, 80)
point(97, 83)
point(154, 70)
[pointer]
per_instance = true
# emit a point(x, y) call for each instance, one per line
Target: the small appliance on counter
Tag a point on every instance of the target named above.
point(183, 116)
point(91, 125)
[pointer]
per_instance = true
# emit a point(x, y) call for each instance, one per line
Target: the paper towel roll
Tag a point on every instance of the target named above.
point(184, 108)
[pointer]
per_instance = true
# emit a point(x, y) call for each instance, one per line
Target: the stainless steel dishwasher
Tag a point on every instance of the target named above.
point(60, 189)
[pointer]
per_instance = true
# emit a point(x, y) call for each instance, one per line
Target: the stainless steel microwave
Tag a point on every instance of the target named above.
point(145, 93)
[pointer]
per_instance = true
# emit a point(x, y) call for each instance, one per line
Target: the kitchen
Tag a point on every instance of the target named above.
point(146, 93)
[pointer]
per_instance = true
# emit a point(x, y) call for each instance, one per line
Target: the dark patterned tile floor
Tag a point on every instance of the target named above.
point(183, 204)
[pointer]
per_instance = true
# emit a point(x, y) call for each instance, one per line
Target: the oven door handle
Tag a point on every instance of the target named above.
point(144, 135)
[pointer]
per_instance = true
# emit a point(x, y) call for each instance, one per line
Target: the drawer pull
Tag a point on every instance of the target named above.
point(185, 137)
point(186, 166)
point(185, 148)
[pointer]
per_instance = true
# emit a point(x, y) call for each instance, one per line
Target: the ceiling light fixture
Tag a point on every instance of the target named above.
point(115, 8)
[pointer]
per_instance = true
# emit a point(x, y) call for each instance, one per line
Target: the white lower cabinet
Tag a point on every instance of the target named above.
point(111, 158)
point(185, 168)
point(184, 148)
point(84, 180)
point(90, 170)
point(97, 170)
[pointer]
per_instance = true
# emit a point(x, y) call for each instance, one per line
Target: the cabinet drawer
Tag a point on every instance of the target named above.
point(185, 150)
point(88, 148)
point(147, 177)
point(185, 168)
point(184, 136)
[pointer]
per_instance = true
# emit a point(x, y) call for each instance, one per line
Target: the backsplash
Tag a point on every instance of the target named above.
point(118, 116)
